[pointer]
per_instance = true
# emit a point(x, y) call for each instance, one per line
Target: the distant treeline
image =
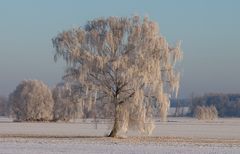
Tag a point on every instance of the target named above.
point(179, 102)
point(227, 105)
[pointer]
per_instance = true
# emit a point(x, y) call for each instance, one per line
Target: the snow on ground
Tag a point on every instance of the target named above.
point(179, 135)
point(182, 127)
point(72, 146)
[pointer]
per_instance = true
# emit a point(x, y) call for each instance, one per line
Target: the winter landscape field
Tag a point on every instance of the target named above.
point(106, 77)
point(178, 135)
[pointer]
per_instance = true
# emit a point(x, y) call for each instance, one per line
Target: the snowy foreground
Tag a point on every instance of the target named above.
point(102, 145)
point(179, 135)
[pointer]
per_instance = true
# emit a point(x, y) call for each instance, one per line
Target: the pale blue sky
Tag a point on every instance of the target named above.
point(209, 30)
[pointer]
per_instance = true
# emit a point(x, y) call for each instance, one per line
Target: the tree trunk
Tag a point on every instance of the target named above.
point(116, 123)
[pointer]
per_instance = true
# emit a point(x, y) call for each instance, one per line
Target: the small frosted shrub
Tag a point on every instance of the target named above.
point(206, 113)
point(31, 101)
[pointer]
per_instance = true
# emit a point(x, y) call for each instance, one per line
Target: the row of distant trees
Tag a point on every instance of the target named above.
point(68, 104)
point(222, 105)
point(227, 105)
point(65, 103)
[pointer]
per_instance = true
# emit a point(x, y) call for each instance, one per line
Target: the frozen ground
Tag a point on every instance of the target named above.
point(180, 127)
point(179, 135)
point(102, 145)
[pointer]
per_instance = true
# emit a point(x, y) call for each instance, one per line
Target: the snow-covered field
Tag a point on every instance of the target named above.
point(91, 145)
point(179, 135)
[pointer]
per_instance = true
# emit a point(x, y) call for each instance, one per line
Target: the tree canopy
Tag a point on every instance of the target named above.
point(125, 61)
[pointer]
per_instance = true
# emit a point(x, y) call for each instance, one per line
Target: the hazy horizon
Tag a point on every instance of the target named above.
point(209, 31)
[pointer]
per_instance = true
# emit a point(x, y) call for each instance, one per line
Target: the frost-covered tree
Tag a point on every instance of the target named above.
point(124, 61)
point(68, 102)
point(31, 101)
point(206, 113)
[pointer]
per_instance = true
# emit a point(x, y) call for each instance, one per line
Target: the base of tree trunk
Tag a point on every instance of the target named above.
point(113, 133)
point(116, 123)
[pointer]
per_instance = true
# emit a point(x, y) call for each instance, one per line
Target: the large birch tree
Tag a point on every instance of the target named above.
point(126, 62)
